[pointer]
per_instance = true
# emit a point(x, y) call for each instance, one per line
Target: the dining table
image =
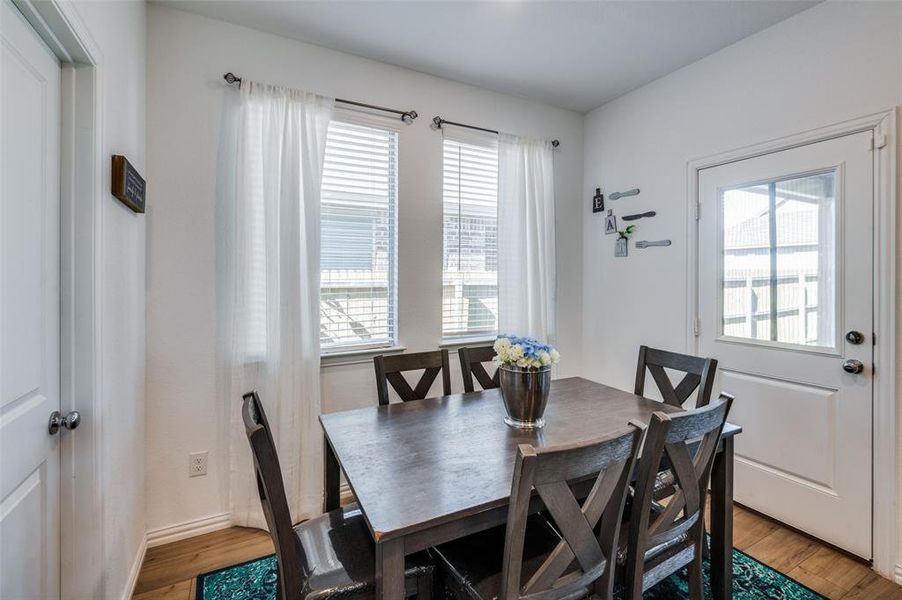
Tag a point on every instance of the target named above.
point(429, 471)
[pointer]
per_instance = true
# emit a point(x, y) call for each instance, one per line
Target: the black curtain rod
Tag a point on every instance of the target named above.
point(437, 123)
point(406, 115)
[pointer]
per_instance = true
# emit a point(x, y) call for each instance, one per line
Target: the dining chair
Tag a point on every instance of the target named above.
point(390, 369)
point(665, 536)
point(699, 375)
point(555, 554)
point(471, 365)
point(330, 556)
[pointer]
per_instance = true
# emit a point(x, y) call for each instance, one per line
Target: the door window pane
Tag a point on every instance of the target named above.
point(779, 268)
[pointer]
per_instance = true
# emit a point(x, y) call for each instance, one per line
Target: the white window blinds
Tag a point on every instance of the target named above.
point(470, 258)
point(358, 259)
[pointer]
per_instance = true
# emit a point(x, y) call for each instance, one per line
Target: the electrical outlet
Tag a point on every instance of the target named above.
point(197, 464)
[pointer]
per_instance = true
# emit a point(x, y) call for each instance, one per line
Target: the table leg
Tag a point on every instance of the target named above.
point(332, 496)
point(390, 569)
point(722, 522)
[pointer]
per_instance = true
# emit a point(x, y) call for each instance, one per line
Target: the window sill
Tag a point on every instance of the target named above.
point(454, 343)
point(356, 357)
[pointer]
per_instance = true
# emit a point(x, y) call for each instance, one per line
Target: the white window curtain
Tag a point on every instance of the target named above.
point(526, 268)
point(274, 142)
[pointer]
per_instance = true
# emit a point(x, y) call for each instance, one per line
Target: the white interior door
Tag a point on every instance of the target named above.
point(785, 272)
point(29, 312)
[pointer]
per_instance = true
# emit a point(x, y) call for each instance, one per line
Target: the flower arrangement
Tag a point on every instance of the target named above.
point(524, 353)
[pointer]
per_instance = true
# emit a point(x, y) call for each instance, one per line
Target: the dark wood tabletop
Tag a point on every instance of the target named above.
point(415, 465)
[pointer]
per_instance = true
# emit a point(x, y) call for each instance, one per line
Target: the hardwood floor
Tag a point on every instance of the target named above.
point(169, 571)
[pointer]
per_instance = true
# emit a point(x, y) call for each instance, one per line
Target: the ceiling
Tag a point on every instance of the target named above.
point(573, 54)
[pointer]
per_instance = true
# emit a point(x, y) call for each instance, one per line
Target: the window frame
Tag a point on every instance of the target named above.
point(489, 142)
point(350, 353)
point(721, 335)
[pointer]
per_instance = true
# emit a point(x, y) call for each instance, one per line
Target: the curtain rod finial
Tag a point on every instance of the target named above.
point(436, 123)
point(555, 143)
point(231, 78)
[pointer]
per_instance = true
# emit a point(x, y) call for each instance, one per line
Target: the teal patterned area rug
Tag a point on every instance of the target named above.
point(256, 580)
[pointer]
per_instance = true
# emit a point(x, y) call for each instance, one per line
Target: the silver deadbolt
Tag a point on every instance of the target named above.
point(853, 366)
point(57, 420)
point(855, 337)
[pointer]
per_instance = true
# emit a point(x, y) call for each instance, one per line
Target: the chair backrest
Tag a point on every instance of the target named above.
point(688, 441)
point(291, 560)
point(389, 370)
point(699, 375)
point(547, 471)
point(471, 365)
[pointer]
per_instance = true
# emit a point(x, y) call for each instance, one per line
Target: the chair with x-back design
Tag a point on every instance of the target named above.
point(329, 557)
point(390, 369)
point(556, 554)
point(699, 375)
point(471, 365)
point(666, 535)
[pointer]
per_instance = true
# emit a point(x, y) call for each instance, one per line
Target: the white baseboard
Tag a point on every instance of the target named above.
point(129, 590)
point(181, 531)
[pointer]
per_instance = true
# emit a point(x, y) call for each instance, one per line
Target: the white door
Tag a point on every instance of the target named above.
point(29, 313)
point(785, 267)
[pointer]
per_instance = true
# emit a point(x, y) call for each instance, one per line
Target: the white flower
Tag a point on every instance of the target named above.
point(524, 353)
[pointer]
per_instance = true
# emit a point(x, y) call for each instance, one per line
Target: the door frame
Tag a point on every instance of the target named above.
point(58, 23)
point(883, 124)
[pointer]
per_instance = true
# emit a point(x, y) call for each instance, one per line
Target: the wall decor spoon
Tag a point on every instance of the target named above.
point(617, 195)
point(647, 244)
point(638, 216)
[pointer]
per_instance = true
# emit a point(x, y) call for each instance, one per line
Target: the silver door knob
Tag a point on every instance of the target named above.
point(855, 337)
point(57, 420)
point(853, 366)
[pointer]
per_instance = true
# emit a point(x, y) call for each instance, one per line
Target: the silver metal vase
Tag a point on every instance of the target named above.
point(525, 394)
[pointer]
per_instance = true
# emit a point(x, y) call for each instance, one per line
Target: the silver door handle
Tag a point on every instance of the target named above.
point(853, 366)
point(57, 420)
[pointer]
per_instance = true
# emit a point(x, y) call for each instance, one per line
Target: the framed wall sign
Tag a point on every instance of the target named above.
point(610, 223)
point(128, 185)
point(598, 201)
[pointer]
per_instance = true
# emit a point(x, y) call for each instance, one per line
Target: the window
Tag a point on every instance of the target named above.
point(358, 246)
point(470, 257)
point(779, 269)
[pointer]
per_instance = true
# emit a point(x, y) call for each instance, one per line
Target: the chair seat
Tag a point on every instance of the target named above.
point(472, 566)
point(341, 557)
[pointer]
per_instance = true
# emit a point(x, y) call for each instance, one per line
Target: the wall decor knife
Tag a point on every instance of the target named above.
point(618, 195)
point(638, 216)
point(647, 244)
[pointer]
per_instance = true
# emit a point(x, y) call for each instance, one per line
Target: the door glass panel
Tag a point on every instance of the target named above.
point(779, 260)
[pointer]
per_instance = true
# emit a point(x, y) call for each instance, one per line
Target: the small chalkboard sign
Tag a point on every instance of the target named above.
point(128, 185)
point(598, 201)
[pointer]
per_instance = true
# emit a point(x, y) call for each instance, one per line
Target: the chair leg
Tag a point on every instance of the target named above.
point(604, 586)
point(426, 584)
point(635, 591)
point(695, 574)
point(632, 582)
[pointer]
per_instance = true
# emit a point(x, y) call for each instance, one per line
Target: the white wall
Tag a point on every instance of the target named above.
point(187, 56)
point(119, 30)
point(833, 62)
